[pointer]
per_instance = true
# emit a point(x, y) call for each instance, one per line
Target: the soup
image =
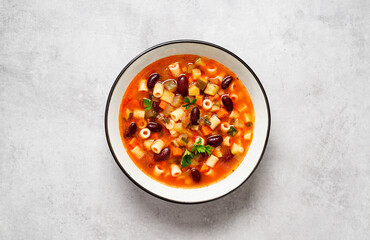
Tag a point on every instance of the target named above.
point(186, 121)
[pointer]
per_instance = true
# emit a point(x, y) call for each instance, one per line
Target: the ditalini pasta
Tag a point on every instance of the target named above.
point(186, 121)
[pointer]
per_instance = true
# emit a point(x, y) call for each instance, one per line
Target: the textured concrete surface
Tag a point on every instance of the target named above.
point(58, 60)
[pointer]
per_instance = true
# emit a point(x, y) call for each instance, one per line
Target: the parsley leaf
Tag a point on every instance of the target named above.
point(186, 159)
point(232, 131)
point(187, 100)
point(148, 103)
point(199, 148)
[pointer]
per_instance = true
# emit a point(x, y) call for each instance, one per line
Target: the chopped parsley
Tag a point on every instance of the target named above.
point(186, 159)
point(199, 148)
point(148, 103)
point(232, 131)
point(187, 100)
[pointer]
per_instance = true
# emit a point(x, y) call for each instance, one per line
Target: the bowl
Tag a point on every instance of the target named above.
point(261, 127)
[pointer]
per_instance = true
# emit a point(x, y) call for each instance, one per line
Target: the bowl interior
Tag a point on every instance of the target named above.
point(261, 128)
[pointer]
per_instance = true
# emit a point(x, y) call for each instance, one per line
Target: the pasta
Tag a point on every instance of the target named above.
point(175, 69)
point(144, 133)
point(158, 90)
point(143, 85)
point(157, 146)
point(207, 104)
point(177, 114)
point(177, 126)
point(175, 170)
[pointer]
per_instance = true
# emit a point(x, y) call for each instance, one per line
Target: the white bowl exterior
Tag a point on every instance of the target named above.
point(260, 128)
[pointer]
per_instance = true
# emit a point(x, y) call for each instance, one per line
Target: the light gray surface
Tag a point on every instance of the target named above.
point(58, 60)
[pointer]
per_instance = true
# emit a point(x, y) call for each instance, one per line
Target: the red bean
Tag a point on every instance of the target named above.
point(183, 85)
point(227, 157)
point(153, 78)
point(228, 103)
point(195, 174)
point(226, 82)
point(130, 130)
point(154, 127)
point(194, 116)
point(163, 155)
point(214, 140)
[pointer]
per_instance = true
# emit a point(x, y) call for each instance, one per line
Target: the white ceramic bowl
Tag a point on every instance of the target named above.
point(261, 127)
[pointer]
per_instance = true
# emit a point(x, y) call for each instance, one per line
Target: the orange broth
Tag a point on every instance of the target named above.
point(241, 118)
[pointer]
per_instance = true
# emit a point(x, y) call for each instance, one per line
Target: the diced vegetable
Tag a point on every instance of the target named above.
point(199, 101)
point(199, 62)
point(215, 97)
point(214, 80)
point(202, 83)
point(183, 140)
point(215, 121)
point(204, 168)
point(215, 107)
point(177, 152)
point(196, 73)
point(247, 117)
point(170, 85)
point(222, 113)
point(247, 136)
point(151, 113)
point(177, 101)
point(190, 67)
point(133, 142)
point(217, 152)
point(178, 127)
point(163, 104)
point(236, 149)
point(211, 89)
point(127, 115)
point(167, 111)
point(194, 90)
point(206, 130)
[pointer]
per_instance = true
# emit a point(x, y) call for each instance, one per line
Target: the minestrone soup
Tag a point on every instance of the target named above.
point(186, 121)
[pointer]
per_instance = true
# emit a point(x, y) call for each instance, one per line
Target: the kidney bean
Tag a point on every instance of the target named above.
point(156, 106)
point(226, 82)
point(154, 127)
point(228, 103)
point(153, 78)
point(183, 85)
point(214, 140)
point(195, 174)
point(194, 116)
point(130, 130)
point(227, 157)
point(163, 155)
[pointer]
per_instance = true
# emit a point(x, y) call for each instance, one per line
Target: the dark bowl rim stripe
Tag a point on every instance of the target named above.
point(176, 42)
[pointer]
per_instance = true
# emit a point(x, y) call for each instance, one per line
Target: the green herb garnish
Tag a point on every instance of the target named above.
point(186, 159)
point(198, 148)
point(166, 120)
point(148, 103)
point(187, 100)
point(232, 131)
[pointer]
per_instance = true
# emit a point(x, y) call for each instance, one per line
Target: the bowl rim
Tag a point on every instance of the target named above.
point(176, 42)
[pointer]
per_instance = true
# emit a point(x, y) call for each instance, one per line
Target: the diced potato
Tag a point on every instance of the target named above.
point(247, 136)
point(194, 91)
point(196, 73)
point(211, 89)
point(217, 152)
point(167, 96)
point(236, 149)
point(199, 62)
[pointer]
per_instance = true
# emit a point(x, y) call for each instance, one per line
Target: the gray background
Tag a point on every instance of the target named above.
point(58, 60)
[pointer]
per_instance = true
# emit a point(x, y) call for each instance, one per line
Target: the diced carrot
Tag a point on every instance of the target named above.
point(177, 151)
point(163, 104)
point(222, 113)
point(155, 136)
point(204, 168)
point(206, 130)
point(133, 142)
point(215, 97)
point(199, 100)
